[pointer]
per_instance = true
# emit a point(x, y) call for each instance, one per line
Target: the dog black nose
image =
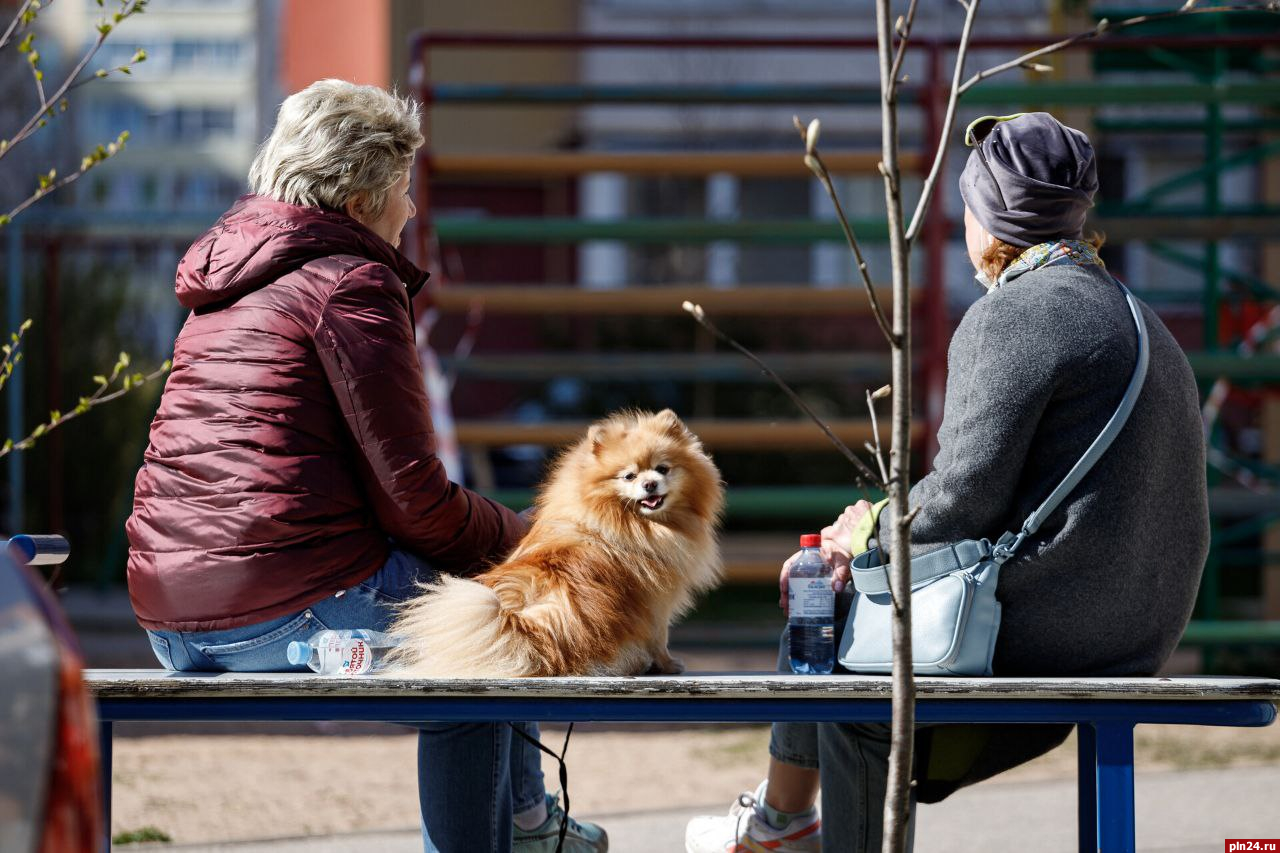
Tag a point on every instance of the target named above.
point(650, 485)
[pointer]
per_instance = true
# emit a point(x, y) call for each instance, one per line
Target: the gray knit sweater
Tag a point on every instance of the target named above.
point(1036, 368)
point(1107, 585)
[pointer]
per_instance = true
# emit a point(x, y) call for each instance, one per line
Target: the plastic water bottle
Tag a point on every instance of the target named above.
point(811, 608)
point(347, 652)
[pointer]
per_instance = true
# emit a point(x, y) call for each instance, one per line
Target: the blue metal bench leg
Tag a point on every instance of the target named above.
point(104, 754)
point(1115, 787)
point(1087, 780)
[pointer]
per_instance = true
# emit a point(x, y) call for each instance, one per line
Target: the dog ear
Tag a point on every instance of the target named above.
point(595, 435)
point(670, 422)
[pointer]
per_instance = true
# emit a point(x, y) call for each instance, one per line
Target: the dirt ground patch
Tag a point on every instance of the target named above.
point(200, 788)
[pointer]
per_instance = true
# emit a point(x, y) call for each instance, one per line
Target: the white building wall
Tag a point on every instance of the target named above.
point(194, 109)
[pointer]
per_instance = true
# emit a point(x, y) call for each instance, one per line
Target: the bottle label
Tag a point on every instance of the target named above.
point(344, 657)
point(811, 598)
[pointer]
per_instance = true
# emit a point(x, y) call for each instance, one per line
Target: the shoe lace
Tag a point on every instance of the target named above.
point(566, 822)
point(558, 813)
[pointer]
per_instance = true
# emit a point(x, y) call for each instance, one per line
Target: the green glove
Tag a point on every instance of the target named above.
point(866, 529)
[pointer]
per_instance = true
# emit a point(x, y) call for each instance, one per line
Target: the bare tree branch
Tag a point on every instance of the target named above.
point(867, 476)
point(875, 429)
point(903, 28)
point(37, 76)
point(813, 160)
point(125, 69)
point(1103, 28)
point(98, 398)
point(11, 352)
point(40, 193)
point(127, 8)
point(13, 25)
point(948, 121)
point(897, 802)
point(49, 185)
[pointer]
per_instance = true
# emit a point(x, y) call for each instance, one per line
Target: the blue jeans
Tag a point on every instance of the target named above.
point(471, 776)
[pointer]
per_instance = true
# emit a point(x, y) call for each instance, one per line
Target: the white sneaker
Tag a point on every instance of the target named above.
point(744, 830)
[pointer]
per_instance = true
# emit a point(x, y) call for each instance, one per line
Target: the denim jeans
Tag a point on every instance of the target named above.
point(852, 760)
point(471, 776)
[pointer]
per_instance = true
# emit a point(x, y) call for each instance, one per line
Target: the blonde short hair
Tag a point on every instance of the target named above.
point(335, 142)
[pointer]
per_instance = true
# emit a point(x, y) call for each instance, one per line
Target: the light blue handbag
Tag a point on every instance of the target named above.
point(954, 612)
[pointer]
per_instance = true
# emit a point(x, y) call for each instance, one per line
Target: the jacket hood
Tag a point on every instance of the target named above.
point(259, 240)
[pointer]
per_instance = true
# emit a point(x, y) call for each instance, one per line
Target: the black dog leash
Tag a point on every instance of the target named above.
point(564, 775)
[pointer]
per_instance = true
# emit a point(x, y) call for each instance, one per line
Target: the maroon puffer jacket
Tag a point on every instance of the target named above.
point(293, 439)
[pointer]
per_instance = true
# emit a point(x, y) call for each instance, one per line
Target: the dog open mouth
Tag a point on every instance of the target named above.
point(653, 503)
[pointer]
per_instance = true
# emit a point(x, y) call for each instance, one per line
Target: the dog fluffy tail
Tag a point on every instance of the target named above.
point(456, 629)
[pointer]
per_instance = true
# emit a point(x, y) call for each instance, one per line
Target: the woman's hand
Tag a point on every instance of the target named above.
point(836, 539)
point(783, 581)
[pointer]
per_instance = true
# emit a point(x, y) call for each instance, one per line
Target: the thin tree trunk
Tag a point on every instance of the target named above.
point(897, 801)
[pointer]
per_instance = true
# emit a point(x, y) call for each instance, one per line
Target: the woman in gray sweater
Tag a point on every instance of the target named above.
point(1035, 369)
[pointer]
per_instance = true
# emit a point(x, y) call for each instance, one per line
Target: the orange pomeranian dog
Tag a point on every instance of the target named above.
point(623, 537)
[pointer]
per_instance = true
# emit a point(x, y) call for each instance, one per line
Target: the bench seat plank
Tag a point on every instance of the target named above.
point(144, 684)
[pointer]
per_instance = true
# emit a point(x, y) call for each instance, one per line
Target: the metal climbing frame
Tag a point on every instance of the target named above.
point(1215, 83)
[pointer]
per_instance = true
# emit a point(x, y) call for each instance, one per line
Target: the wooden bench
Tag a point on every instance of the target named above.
point(1105, 710)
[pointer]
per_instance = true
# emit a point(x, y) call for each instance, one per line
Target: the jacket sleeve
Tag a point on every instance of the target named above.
point(1003, 370)
point(365, 341)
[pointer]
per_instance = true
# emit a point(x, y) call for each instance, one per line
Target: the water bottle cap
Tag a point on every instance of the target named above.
point(811, 540)
point(299, 652)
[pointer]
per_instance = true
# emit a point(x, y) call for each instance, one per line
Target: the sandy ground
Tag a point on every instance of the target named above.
point(228, 787)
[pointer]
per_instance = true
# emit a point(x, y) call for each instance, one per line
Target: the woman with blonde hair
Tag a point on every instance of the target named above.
point(291, 484)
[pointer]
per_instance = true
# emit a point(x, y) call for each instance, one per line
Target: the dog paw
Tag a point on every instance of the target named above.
point(667, 666)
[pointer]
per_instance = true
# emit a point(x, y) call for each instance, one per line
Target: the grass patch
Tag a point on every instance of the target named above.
point(140, 835)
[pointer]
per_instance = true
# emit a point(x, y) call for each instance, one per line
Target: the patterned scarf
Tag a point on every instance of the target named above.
point(1056, 253)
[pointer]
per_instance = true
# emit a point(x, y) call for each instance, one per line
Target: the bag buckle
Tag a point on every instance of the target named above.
point(1006, 546)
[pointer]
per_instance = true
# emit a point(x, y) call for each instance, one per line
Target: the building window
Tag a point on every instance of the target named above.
point(164, 125)
point(149, 191)
point(192, 55)
point(179, 56)
point(122, 191)
point(199, 190)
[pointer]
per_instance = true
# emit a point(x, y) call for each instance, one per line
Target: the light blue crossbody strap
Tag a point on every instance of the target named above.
point(1003, 551)
point(873, 580)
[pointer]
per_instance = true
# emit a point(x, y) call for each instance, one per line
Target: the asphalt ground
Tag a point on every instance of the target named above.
point(1177, 812)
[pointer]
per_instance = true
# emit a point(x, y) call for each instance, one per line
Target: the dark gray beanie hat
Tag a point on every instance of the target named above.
point(1030, 180)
